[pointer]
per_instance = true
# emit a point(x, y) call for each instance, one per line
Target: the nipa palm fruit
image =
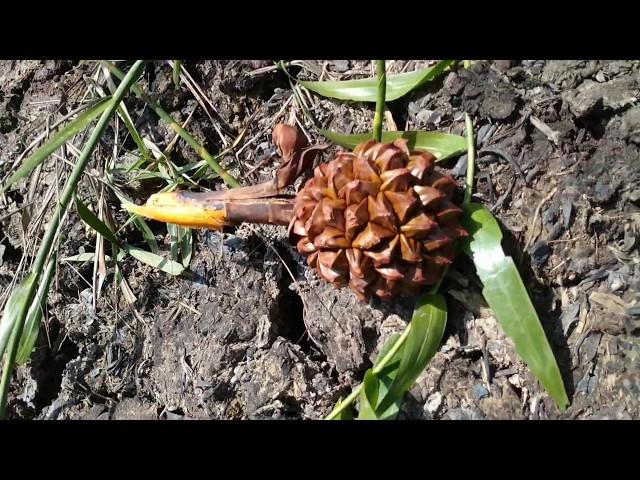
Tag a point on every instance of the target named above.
point(379, 219)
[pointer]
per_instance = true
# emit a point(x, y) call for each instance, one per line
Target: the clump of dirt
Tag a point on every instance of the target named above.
point(251, 332)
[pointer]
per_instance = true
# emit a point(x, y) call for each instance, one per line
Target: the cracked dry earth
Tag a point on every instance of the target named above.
point(251, 332)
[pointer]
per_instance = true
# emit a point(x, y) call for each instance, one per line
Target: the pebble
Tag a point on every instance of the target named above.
point(540, 252)
point(429, 117)
point(433, 403)
point(460, 170)
point(616, 282)
point(465, 414)
point(341, 65)
point(479, 391)
point(484, 133)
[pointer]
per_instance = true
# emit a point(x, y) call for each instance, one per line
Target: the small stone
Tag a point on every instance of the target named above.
point(340, 65)
point(479, 391)
point(433, 403)
point(460, 169)
point(465, 414)
point(616, 282)
point(414, 108)
point(482, 133)
point(540, 252)
point(570, 317)
point(503, 65)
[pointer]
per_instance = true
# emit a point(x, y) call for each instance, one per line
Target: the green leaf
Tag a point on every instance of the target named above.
point(368, 397)
point(94, 222)
point(427, 328)
point(442, 145)
point(57, 140)
point(31, 328)
point(365, 89)
point(13, 309)
point(507, 296)
point(156, 261)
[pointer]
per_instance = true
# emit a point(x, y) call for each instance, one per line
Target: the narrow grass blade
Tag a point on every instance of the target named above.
point(186, 245)
point(124, 286)
point(442, 145)
point(507, 296)
point(52, 229)
point(94, 222)
point(192, 142)
point(64, 134)
point(146, 232)
point(15, 306)
point(83, 257)
point(32, 323)
point(176, 72)
point(156, 261)
point(175, 242)
point(427, 328)
point(365, 90)
point(126, 118)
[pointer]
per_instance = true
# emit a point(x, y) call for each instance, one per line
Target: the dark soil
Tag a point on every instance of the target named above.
point(238, 337)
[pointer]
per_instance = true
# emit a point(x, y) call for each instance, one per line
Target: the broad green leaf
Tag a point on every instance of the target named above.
point(165, 264)
point(368, 397)
point(365, 89)
point(126, 118)
point(13, 309)
point(31, 328)
point(427, 328)
point(507, 296)
point(442, 145)
point(94, 222)
point(57, 140)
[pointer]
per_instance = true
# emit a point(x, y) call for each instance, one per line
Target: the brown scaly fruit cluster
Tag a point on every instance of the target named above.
point(379, 219)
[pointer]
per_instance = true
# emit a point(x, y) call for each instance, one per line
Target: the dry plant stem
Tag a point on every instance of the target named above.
point(471, 163)
point(403, 337)
point(382, 93)
point(228, 179)
point(50, 234)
